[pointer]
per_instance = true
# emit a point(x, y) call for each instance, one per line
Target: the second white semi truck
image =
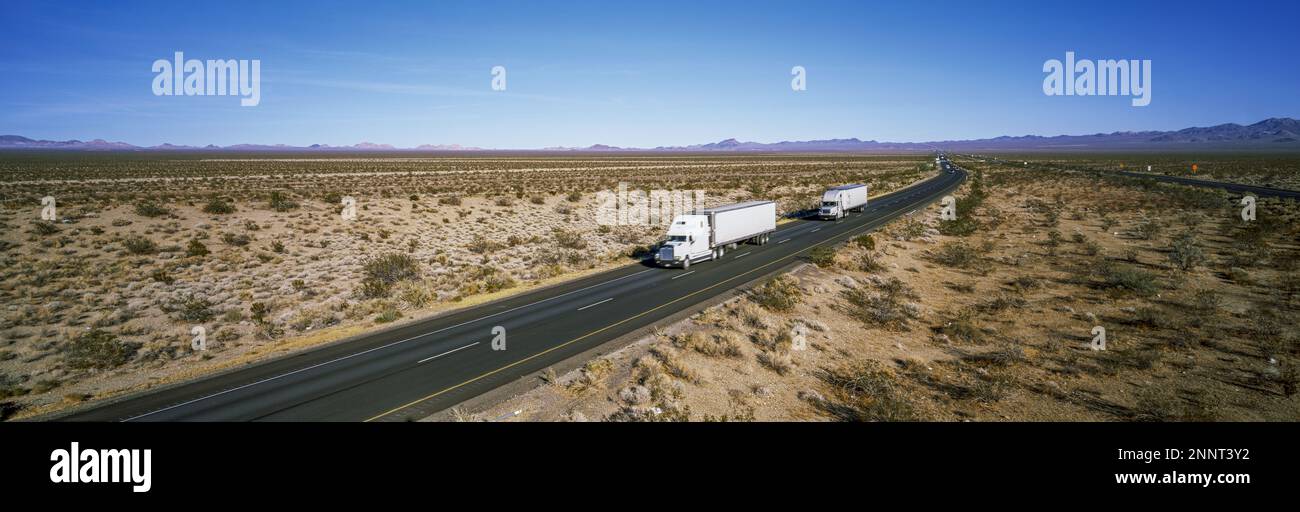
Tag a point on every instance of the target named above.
point(839, 201)
point(707, 234)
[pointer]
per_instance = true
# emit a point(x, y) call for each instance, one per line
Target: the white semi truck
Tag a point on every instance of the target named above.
point(707, 234)
point(839, 201)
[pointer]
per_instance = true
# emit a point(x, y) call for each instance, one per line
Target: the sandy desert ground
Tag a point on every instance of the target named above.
point(1276, 170)
point(987, 318)
point(254, 249)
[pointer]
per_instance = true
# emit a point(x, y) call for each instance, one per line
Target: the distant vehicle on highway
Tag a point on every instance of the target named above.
point(707, 234)
point(837, 202)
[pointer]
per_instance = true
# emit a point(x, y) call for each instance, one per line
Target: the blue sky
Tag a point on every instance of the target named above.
point(633, 73)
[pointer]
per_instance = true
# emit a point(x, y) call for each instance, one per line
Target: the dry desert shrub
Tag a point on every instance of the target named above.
point(780, 293)
point(779, 361)
point(865, 391)
point(675, 366)
point(889, 306)
point(591, 376)
point(384, 271)
point(98, 350)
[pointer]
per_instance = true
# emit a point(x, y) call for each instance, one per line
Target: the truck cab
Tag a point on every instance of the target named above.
point(830, 210)
point(688, 239)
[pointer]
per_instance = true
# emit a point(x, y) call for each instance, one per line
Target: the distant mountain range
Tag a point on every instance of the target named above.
point(1270, 134)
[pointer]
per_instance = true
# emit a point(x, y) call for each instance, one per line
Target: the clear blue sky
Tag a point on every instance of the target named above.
point(633, 73)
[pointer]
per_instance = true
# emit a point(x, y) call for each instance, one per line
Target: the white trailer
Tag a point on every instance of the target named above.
point(839, 201)
point(707, 234)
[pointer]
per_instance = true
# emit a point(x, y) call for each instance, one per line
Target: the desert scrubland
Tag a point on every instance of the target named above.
point(992, 317)
point(254, 248)
point(1276, 170)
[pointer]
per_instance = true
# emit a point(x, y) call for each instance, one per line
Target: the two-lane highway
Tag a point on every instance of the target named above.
point(1230, 187)
point(426, 366)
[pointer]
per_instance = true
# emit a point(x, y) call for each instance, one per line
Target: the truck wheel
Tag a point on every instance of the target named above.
point(686, 263)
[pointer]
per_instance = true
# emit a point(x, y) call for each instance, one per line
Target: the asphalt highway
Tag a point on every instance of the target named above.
point(417, 369)
point(1230, 187)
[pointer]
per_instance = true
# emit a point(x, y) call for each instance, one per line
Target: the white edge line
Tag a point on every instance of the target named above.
point(349, 356)
point(445, 353)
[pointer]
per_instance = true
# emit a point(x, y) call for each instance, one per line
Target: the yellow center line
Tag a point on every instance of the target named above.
point(610, 326)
